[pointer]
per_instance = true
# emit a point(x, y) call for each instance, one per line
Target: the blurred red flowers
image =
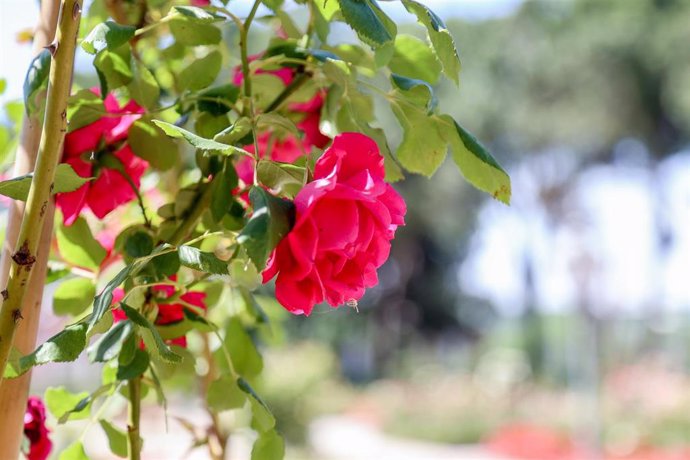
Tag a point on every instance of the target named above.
point(35, 430)
point(91, 151)
point(168, 313)
point(345, 221)
point(287, 148)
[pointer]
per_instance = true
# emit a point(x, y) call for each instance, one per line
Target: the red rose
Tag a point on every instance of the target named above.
point(35, 430)
point(200, 3)
point(84, 150)
point(168, 313)
point(345, 221)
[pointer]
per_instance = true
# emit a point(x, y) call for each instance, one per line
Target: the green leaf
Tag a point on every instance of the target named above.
point(83, 108)
point(64, 346)
point(371, 24)
point(36, 80)
point(190, 33)
point(477, 164)
point(66, 180)
point(139, 244)
point(85, 403)
point(417, 92)
point(134, 367)
point(235, 132)
point(414, 59)
point(245, 357)
point(207, 125)
point(271, 220)
point(440, 37)
point(202, 261)
point(73, 296)
point(217, 100)
point(269, 446)
point(107, 35)
point(225, 183)
point(196, 14)
point(166, 265)
point(143, 88)
point(149, 142)
point(424, 145)
point(224, 394)
point(244, 273)
point(200, 73)
point(262, 418)
point(110, 344)
point(285, 178)
point(60, 402)
point(275, 120)
point(273, 5)
point(77, 245)
point(114, 68)
point(151, 337)
point(104, 300)
point(197, 141)
point(117, 439)
point(74, 452)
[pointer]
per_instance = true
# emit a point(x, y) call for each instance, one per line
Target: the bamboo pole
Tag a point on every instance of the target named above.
point(14, 393)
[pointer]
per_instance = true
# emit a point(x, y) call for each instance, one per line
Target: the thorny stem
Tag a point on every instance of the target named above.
point(249, 108)
point(49, 152)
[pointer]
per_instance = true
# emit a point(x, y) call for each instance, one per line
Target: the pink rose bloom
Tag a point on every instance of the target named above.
point(83, 148)
point(35, 430)
point(167, 313)
point(201, 3)
point(345, 221)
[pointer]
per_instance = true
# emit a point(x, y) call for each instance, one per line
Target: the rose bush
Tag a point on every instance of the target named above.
point(345, 221)
point(100, 150)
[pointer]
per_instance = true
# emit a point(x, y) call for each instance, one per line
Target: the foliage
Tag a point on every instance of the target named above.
point(192, 161)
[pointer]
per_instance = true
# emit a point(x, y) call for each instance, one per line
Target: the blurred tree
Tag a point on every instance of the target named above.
point(579, 73)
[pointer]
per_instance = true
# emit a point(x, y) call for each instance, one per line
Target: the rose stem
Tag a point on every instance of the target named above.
point(49, 152)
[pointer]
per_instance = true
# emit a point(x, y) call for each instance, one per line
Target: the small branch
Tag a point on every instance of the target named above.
point(49, 152)
point(289, 90)
point(131, 183)
point(150, 27)
point(189, 223)
point(133, 434)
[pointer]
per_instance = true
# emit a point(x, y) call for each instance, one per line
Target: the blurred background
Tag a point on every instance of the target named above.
point(556, 328)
